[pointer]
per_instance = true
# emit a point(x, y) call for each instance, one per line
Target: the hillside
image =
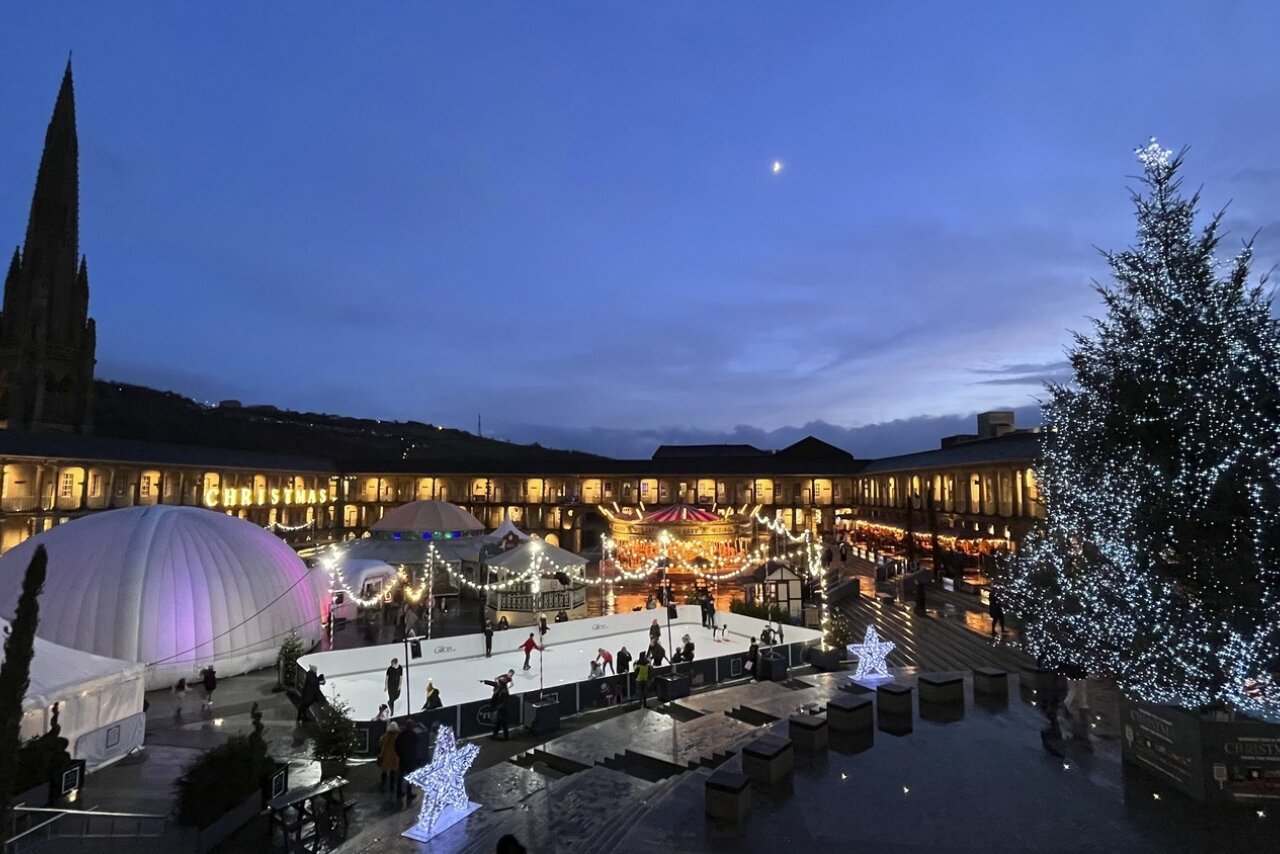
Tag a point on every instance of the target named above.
point(124, 411)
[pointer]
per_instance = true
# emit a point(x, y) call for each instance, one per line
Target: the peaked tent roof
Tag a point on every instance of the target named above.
point(419, 516)
point(506, 529)
point(523, 556)
point(58, 671)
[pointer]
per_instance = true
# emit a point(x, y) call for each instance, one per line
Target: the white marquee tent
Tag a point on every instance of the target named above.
point(99, 702)
point(174, 588)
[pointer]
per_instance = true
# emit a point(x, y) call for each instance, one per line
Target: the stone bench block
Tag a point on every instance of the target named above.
point(849, 713)
point(941, 689)
point(990, 682)
point(728, 796)
point(768, 760)
point(894, 699)
point(808, 732)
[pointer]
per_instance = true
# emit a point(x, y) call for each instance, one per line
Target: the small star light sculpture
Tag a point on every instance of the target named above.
point(871, 654)
point(442, 784)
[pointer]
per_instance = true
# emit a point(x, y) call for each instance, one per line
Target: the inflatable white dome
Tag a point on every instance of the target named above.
point(174, 588)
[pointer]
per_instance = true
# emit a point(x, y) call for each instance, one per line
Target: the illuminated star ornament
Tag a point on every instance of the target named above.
point(871, 654)
point(443, 786)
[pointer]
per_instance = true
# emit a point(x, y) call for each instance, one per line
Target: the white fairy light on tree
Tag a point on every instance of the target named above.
point(1158, 560)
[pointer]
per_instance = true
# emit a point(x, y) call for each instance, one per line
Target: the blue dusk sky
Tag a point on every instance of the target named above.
point(565, 215)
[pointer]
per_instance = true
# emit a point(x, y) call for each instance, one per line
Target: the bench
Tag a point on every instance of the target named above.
point(728, 796)
point(894, 699)
point(768, 760)
point(941, 689)
point(849, 713)
point(320, 806)
point(990, 682)
point(808, 732)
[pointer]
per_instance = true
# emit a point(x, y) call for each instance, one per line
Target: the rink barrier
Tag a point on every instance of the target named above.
point(476, 719)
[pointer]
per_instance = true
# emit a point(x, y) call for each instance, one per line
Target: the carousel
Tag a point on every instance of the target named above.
point(679, 539)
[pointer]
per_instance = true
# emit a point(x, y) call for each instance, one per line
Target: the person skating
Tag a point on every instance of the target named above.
point(643, 674)
point(488, 638)
point(310, 694)
point(391, 683)
point(657, 653)
point(686, 651)
point(596, 670)
point(388, 761)
point(624, 659)
point(543, 628)
point(498, 709)
point(529, 646)
point(655, 631)
point(605, 658)
point(383, 715)
point(996, 610)
point(433, 697)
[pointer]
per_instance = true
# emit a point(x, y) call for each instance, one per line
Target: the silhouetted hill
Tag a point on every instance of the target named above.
point(125, 411)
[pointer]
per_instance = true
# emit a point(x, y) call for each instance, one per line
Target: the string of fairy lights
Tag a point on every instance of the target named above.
point(1157, 563)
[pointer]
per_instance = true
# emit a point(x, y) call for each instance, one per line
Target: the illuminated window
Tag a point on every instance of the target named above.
point(67, 485)
point(144, 487)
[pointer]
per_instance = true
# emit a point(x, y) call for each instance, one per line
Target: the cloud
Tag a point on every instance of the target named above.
point(1026, 373)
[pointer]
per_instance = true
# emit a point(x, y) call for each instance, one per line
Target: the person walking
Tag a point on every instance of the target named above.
point(844, 552)
point(407, 747)
point(643, 674)
point(529, 646)
point(391, 684)
point(180, 692)
point(209, 679)
point(624, 660)
point(605, 658)
point(996, 610)
point(310, 694)
point(488, 638)
point(388, 761)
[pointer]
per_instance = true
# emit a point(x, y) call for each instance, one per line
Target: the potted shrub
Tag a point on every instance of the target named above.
point(221, 790)
point(839, 635)
point(335, 738)
point(286, 664)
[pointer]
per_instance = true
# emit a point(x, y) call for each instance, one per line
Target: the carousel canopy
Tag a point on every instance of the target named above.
point(523, 556)
point(680, 513)
point(428, 517)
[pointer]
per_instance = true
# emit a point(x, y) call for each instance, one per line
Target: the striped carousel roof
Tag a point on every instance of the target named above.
point(680, 513)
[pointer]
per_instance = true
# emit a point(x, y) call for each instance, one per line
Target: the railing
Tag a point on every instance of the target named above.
point(555, 600)
point(17, 505)
point(51, 823)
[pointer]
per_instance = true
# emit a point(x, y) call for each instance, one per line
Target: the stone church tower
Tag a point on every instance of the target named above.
point(47, 339)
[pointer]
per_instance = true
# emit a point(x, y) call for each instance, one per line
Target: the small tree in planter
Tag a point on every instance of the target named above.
point(290, 651)
point(838, 636)
point(335, 738)
point(222, 779)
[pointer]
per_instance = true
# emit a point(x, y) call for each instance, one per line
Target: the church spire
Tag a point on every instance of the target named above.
point(53, 231)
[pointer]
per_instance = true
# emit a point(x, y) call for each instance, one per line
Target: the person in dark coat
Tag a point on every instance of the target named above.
point(488, 638)
point(996, 610)
point(655, 631)
point(753, 659)
point(498, 708)
point(209, 681)
point(408, 745)
point(433, 697)
point(623, 660)
point(310, 694)
point(657, 653)
point(920, 599)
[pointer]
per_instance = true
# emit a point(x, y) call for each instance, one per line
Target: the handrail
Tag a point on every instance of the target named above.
point(91, 811)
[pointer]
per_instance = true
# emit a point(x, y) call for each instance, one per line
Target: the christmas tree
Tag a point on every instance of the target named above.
point(1156, 562)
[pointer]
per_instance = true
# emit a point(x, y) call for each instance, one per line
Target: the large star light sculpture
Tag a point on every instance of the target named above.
point(442, 782)
point(871, 654)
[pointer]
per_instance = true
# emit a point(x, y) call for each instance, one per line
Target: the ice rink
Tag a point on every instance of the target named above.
point(457, 664)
